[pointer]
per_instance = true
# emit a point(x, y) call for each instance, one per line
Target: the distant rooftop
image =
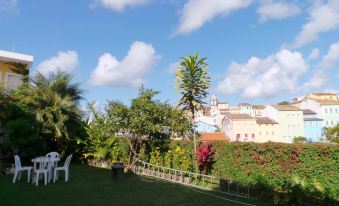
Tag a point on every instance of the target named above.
point(244, 104)
point(312, 119)
point(7, 56)
point(327, 101)
point(258, 107)
point(239, 116)
point(214, 136)
point(286, 108)
point(308, 111)
point(265, 120)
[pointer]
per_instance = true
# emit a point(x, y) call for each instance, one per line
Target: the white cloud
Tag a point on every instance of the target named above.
point(172, 68)
point(197, 12)
point(314, 54)
point(277, 10)
point(323, 17)
point(127, 72)
point(327, 62)
point(264, 77)
point(63, 61)
point(9, 6)
point(119, 5)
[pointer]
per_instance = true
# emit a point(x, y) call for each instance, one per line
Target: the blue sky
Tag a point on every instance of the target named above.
point(259, 51)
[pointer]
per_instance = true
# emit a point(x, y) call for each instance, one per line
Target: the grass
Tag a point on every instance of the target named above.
point(94, 186)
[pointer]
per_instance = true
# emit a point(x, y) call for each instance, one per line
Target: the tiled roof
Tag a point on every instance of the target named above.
point(214, 136)
point(327, 101)
point(312, 119)
point(265, 120)
point(244, 104)
point(308, 111)
point(206, 111)
point(319, 93)
point(258, 107)
point(239, 116)
point(286, 108)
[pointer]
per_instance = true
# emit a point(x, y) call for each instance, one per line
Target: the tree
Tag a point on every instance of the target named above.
point(332, 134)
point(54, 102)
point(299, 140)
point(192, 81)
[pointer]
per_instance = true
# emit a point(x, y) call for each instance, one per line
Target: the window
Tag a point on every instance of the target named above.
point(266, 133)
point(253, 136)
point(331, 110)
point(332, 123)
point(326, 123)
point(246, 135)
point(325, 110)
point(13, 81)
point(336, 110)
point(272, 133)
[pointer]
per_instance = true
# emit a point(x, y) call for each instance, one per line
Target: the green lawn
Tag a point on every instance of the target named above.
point(94, 186)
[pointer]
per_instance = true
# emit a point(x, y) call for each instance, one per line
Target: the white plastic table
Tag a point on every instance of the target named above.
point(51, 163)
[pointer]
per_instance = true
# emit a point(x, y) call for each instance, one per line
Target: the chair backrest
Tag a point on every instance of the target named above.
point(53, 155)
point(17, 162)
point(42, 162)
point(68, 161)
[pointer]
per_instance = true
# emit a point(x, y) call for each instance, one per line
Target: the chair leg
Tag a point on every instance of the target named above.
point(66, 175)
point(37, 179)
point(46, 176)
point(15, 175)
point(28, 175)
point(54, 176)
point(19, 177)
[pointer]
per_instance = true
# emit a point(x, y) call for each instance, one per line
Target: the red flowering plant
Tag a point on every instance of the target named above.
point(205, 157)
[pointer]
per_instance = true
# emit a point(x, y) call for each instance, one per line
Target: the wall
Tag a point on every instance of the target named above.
point(267, 132)
point(291, 125)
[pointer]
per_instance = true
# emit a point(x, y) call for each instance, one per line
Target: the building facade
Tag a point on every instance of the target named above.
point(239, 127)
point(312, 125)
point(13, 67)
point(290, 119)
point(267, 130)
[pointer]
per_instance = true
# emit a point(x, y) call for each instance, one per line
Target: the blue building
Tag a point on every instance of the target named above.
point(312, 125)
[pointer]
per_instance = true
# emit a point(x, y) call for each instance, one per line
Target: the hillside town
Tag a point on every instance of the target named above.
point(303, 117)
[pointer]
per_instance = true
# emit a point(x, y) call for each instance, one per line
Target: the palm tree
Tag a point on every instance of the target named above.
point(193, 82)
point(54, 100)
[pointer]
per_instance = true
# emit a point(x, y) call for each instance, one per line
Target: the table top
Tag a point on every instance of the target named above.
point(50, 159)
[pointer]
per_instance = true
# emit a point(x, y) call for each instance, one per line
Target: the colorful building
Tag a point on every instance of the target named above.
point(257, 110)
point(239, 127)
point(312, 125)
point(13, 66)
point(267, 130)
point(290, 119)
point(245, 108)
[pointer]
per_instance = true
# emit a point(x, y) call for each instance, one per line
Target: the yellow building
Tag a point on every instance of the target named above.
point(267, 130)
point(13, 66)
point(321, 96)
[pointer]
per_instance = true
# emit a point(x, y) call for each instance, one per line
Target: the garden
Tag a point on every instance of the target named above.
point(44, 115)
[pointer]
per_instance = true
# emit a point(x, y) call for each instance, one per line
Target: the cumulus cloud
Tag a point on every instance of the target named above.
point(323, 17)
point(269, 10)
point(127, 72)
point(172, 68)
point(314, 54)
point(119, 5)
point(197, 12)
point(264, 77)
point(63, 61)
point(328, 61)
point(9, 6)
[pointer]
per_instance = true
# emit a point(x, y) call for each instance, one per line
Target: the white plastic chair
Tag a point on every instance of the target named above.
point(42, 169)
point(64, 168)
point(19, 169)
point(53, 164)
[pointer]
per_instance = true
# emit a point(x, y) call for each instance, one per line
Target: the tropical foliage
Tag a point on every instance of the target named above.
point(43, 114)
point(332, 134)
point(205, 157)
point(192, 81)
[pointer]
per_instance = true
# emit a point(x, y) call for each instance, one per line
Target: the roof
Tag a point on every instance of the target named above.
point(239, 116)
point(323, 93)
point(222, 103)
point(16, 58)
point(327, 101)
point(206, 111)
point(286, 108)
point(265, 120)
point(312, 119)
point(213, 136)
point(258, 107)
point(308, 111)
point(244, 104)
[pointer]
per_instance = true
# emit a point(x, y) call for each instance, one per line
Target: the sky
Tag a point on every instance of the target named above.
point(258, 51)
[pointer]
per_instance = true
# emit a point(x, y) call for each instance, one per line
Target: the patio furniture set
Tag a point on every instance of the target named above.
point(47, 166)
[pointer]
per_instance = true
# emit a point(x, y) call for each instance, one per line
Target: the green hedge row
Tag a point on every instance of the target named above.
point(313, 168)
